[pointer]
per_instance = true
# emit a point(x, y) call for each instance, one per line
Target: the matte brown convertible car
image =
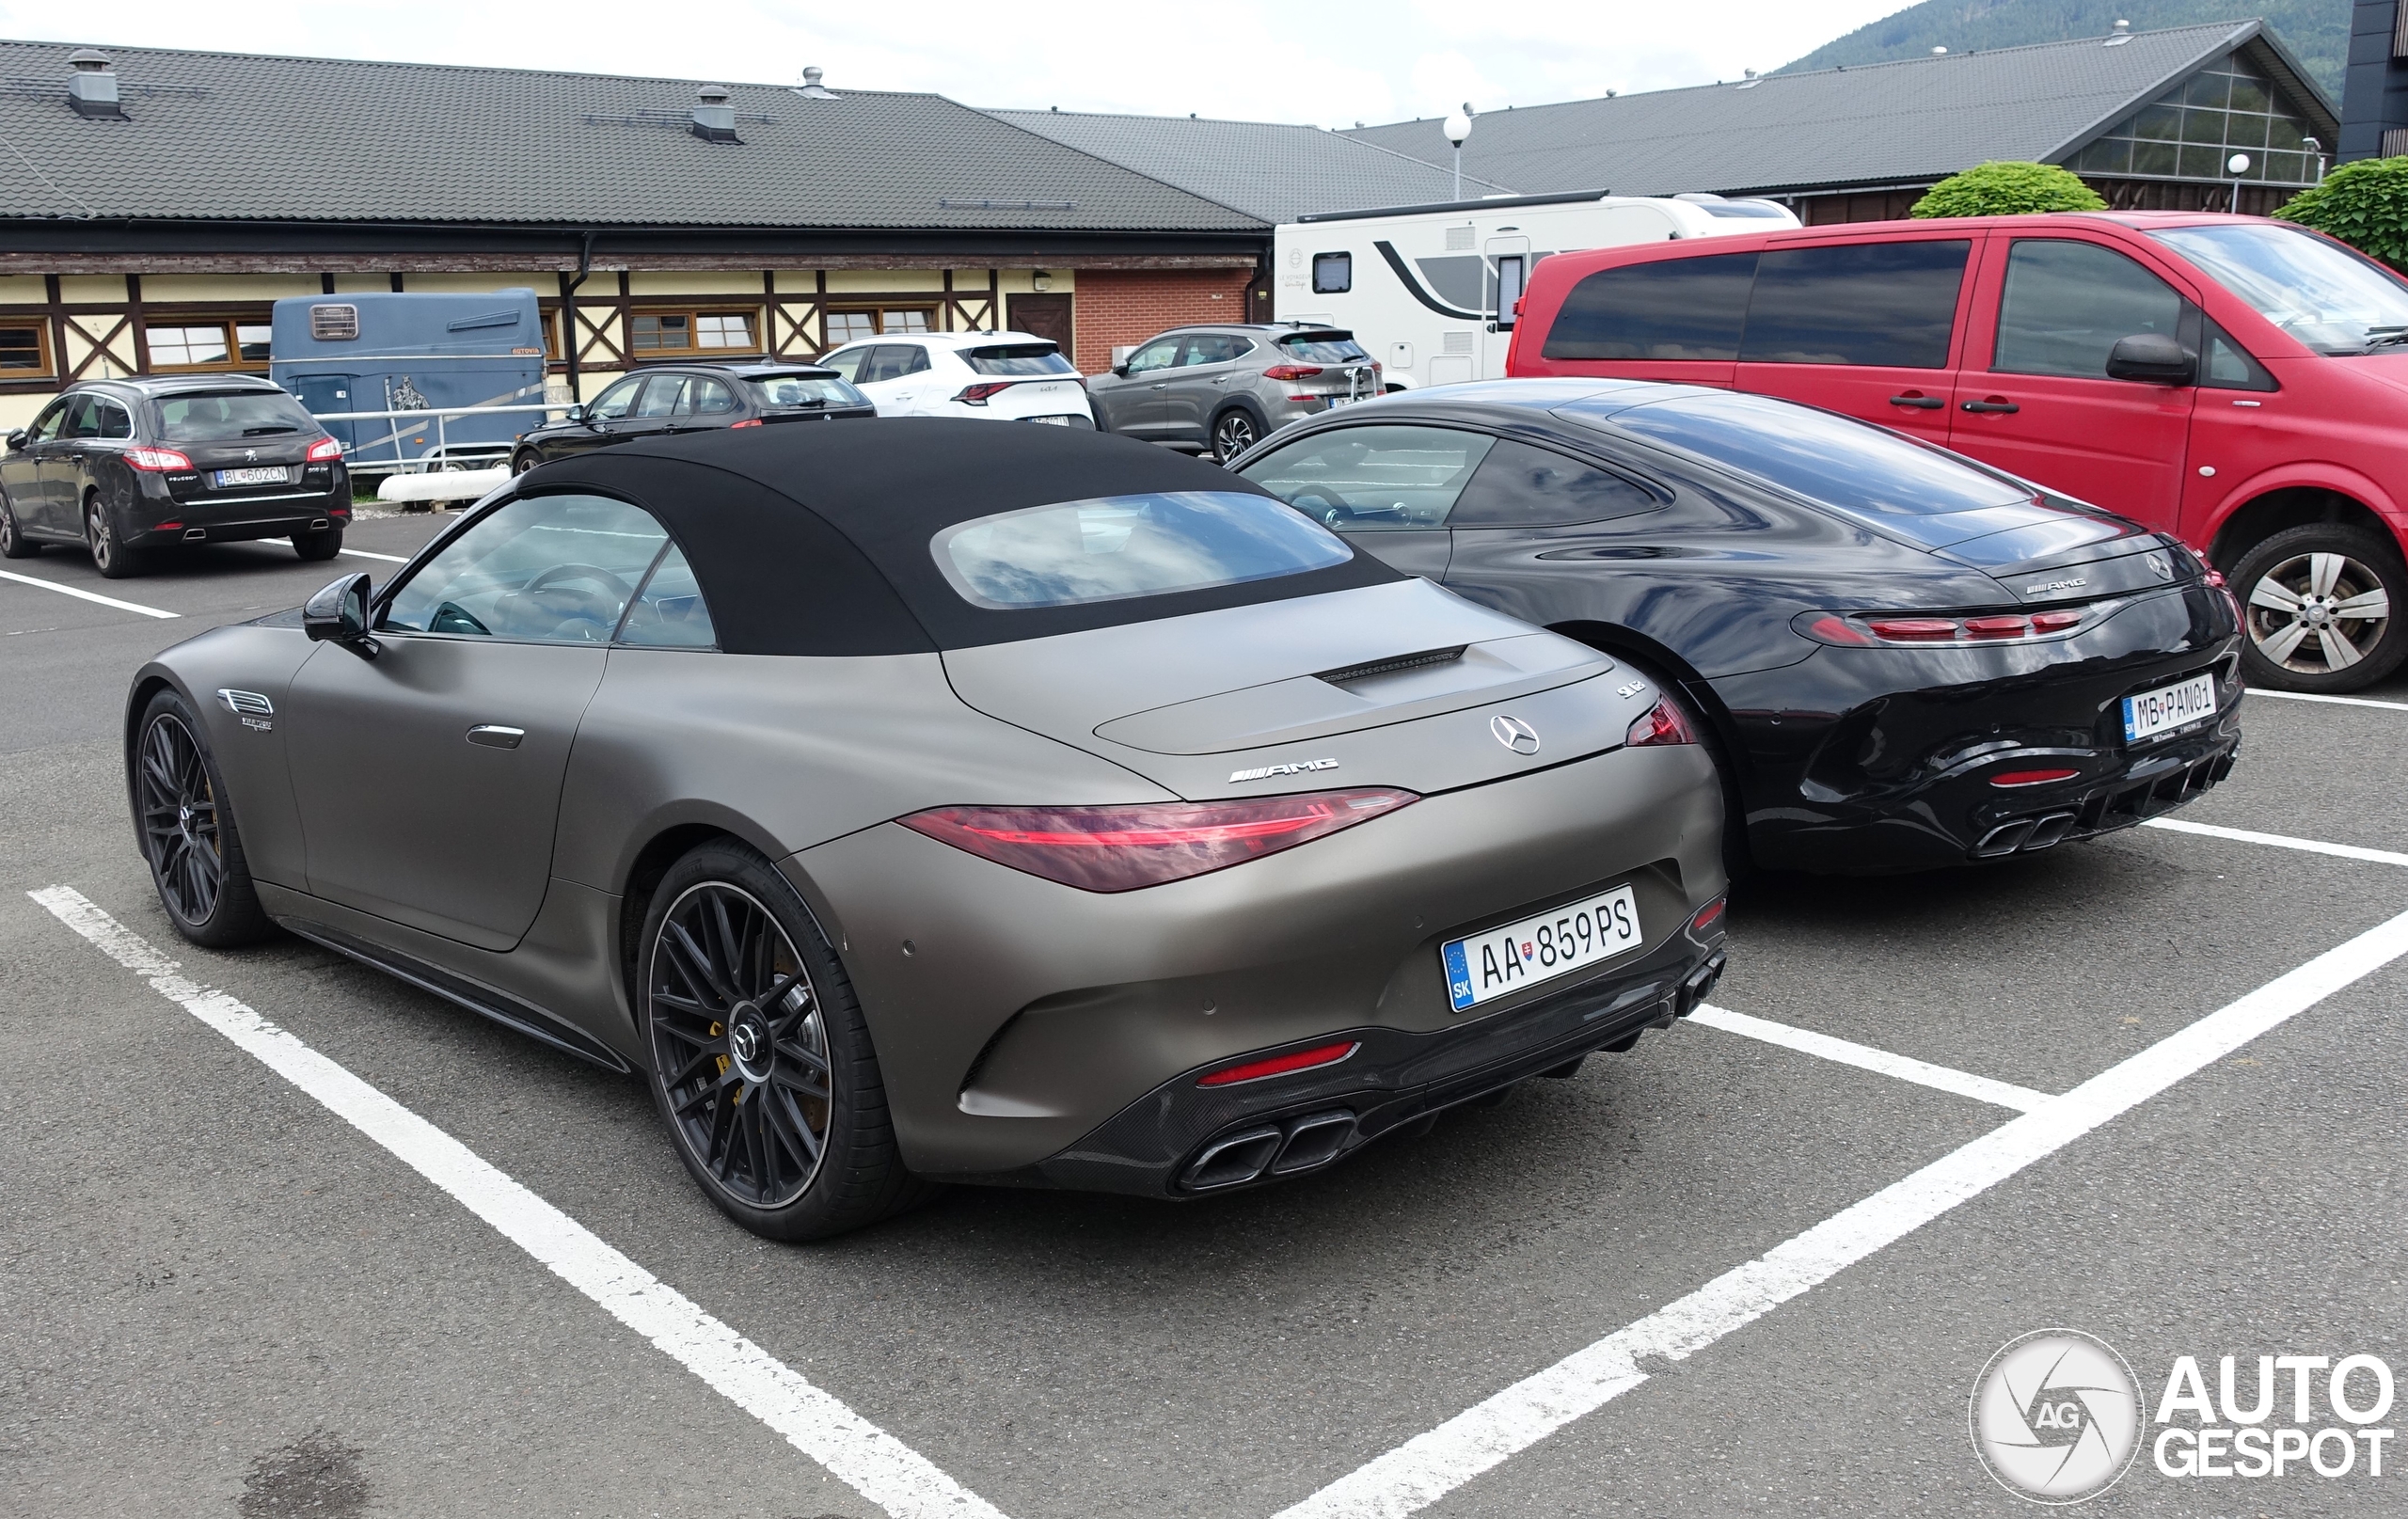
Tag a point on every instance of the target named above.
point(919, 801)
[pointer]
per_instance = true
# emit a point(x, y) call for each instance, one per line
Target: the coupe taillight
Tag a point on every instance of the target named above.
point(158, 461)
point(1121, 848)
point(1865, 630)
point(975, 395)
point(1662, 723)
point(748, 422)
point(323, 451)
point(1291, 371)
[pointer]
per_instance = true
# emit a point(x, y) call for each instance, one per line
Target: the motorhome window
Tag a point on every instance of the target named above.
point(1892, 304)
point(690, 332)
point(224, 415)
point(1323, 348)
point(1374, 479)
point(334, 323)
point(25, 350)
point(1508, 289)
point(1332, 274)
point(1018, 358)
point(2066, 304)
point(1669, 308)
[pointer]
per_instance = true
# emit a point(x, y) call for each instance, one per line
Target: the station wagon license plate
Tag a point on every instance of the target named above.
point(264, 475)
point(2168, 707)
point(1506, 959)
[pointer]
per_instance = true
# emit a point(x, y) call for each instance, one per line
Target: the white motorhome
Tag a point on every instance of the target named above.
point(1429, 290)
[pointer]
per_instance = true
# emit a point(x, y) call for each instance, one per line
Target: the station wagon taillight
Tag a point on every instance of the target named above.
point(1120, 847)
point(158, 461)
point(323, 451)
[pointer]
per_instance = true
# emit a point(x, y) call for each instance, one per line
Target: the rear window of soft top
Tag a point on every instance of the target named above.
point(1115, 548)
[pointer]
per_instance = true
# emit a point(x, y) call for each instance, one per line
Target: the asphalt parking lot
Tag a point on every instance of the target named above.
point(1722, 1273)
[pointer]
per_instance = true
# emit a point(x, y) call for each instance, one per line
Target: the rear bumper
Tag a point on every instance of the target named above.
point(159, 517)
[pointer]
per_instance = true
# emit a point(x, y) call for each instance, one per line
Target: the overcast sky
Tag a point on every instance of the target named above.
point(1332, 62)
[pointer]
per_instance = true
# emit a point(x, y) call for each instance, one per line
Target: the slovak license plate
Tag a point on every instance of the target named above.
point(264, 475)
point(2169, 708)
point(1518, 954)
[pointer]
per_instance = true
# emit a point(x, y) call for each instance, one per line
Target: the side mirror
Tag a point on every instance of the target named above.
point(16, 440)
point(575, 414)
point(339, 613)
point(1121, 369)
point(2151, 358)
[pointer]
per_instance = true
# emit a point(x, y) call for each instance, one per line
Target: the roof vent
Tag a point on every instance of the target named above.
point(2121, 35)
point(91, 89)
point(714, 117)
point(1939, 52)
point(810, 89)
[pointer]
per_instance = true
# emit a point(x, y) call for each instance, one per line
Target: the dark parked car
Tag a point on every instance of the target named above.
point(127, 467)
point(1903, 658)
point(1016, 805)
point(1222, 389)
point(693, 397)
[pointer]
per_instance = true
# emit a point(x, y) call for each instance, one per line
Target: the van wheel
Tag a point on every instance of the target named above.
point(1234, 432)
point(2316, 606)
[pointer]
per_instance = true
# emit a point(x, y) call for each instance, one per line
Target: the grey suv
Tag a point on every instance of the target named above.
point(1224, 389)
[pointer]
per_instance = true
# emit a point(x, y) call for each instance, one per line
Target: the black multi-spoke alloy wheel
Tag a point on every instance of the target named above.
point(324, 544)
point(2318, 603)
point(13, 543)
point(1233, 433)
point(188, 834)
point(760, 1061)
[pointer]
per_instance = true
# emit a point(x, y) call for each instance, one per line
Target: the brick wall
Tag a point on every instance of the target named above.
point(1116, 308)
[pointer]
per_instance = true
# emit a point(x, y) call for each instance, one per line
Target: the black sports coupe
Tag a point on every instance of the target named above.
point(664, 402)
point(1903, 659)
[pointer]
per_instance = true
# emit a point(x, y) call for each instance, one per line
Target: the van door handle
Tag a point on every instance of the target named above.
point(1917, 403)
point(1991, 406)
point(493, 736)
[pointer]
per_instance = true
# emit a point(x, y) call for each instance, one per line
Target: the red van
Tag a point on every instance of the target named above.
point(2241, 382)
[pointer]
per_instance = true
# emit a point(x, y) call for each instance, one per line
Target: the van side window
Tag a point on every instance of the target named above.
point(2229, 366)
point(1672, 308)
point(1892, 304)
point(2066, 304)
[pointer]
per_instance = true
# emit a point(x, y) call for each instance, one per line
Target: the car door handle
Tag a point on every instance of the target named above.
point(1162, 385)
point(493, 736)
point(1917, 403)
point(1991, 406)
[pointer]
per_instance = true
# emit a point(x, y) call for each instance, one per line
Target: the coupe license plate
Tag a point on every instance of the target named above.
point(262, 476)
point(2169, 708)
point(1518, 954)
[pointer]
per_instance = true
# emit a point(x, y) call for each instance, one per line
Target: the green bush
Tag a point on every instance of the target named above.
point(2007, 190)
point(2364, 204)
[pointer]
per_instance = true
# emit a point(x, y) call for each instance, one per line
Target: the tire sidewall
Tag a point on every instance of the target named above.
point(828, 1205)
point(318, 546)
point(2368, 548)
point(236, 917)
point(1251, 421)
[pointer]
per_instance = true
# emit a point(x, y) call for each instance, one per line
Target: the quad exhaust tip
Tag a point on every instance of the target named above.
point(1303, 1144)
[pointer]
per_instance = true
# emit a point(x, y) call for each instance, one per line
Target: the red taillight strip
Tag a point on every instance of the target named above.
point(1255, 1070)
point(1863, 630)
point(1710, 914)
point(2031, 778)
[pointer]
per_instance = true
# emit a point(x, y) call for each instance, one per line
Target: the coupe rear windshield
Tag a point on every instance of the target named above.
point(1323, 347)
point(1115, 548)
point(1847, 465)
point(1018, 358)
point(805, 390)
point(223, 415)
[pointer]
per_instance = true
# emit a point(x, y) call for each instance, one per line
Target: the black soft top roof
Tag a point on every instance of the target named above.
point(814, 539)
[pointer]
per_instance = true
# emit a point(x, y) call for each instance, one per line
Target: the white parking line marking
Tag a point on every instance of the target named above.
point(362, 553)
point(875, 1464)
point(1430, 1465)
point(2337, 701)
point(87, 595)
point(1865, 1058)
point(2280, 841)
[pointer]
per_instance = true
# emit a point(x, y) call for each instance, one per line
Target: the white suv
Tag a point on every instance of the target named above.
point(1006, 376)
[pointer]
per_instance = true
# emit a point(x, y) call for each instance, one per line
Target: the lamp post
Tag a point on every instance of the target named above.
point(2316, 149)
point(2237, 166)
point(1458, 127)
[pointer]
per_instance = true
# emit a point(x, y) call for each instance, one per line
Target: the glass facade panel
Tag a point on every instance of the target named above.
point(2223, 107)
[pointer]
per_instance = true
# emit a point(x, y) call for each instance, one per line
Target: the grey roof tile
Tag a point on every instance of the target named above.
point(1906, 122)
point(245, 136)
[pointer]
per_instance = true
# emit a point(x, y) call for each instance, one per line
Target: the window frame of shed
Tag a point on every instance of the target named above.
point(39, 328)
point(754, 317)
point(231, 325)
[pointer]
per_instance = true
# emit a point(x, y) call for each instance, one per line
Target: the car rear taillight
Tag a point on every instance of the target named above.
point(975, 395)
point(1255, 1070)
point(748, 422)
point(1662, 723)
point(158, 461)
point(1709, 916)
point(1291, 371)
point(1860, 630)
point(1123, 847)
point(321, 451)
point(2031, 778)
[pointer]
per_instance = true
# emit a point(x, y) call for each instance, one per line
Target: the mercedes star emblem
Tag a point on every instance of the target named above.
point(1516, 734)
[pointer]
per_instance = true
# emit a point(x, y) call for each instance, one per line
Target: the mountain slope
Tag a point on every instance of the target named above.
point(2316, 31)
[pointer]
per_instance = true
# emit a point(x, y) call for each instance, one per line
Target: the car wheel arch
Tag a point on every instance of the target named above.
point(2284, 507)
point(1661, 664)
point(670, 841)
